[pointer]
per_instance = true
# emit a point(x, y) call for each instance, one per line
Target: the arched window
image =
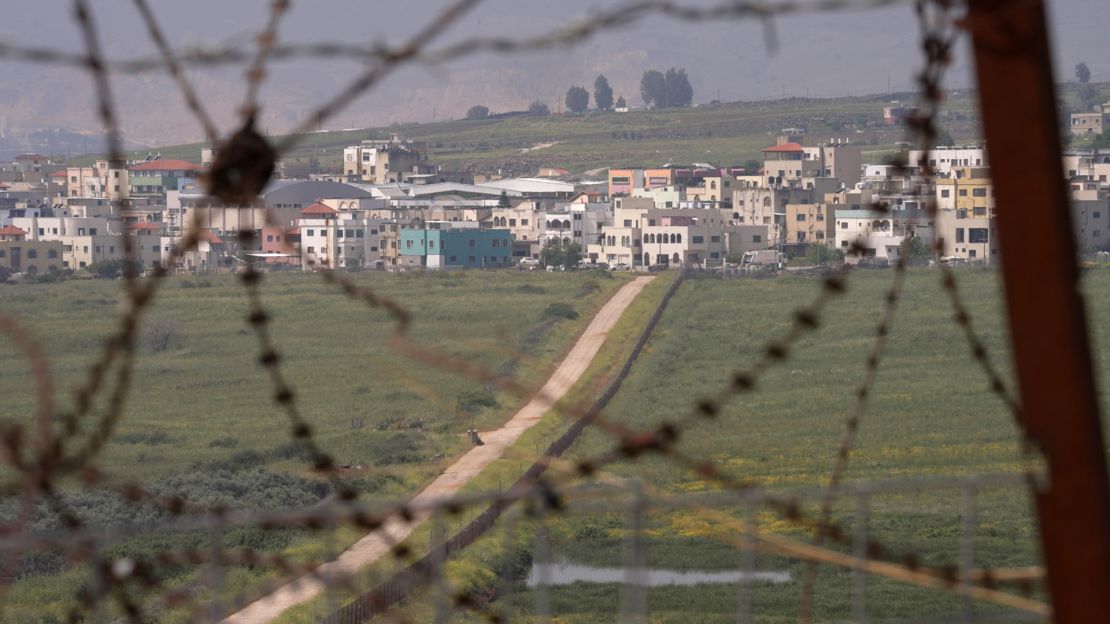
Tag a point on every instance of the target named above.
point(713, 185)
point(566, 241)
point(647, 258)
point(52, 254)
point(651, 238)
point(566, 224)
point(676, 259)
point(766, 202)
point(678, 237)
point(31, 253)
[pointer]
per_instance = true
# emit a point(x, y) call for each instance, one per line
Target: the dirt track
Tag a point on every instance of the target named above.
point(370, 548)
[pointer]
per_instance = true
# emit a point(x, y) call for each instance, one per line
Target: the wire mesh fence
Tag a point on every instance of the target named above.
point(63, 445)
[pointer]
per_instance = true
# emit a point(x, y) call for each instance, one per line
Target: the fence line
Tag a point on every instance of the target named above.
point(419, 573)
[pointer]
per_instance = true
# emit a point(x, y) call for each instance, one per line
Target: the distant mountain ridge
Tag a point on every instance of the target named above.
point(812, 55)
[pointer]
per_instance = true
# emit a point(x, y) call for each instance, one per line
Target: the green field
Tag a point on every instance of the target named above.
point(930, 415)
point(200, 421)
point(722, 134)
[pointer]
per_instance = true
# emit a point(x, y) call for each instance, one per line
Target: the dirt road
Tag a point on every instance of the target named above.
point(369, 549)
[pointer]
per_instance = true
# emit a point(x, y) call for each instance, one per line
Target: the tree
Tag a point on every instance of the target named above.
point(678, 88)
point(477, 112)
point(572, 253)
point(503, 201)
point(1082, 73)
point(109, 269)
point(578, 99)
point(538, 108)
point(621, 103)
point(653, 89)
point(552, 252)
point(916, 251)
point(603, 93)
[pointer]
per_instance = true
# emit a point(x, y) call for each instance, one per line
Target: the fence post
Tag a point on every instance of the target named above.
point(968, 517)
point(634, 598)
point(1048, 327)
point(747, 577)
point(543, 570)
point(859, 548)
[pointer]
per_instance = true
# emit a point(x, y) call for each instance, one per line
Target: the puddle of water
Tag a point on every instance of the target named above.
point(567, 573)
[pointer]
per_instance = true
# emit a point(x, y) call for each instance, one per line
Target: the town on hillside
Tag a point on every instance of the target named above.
point(391, 208)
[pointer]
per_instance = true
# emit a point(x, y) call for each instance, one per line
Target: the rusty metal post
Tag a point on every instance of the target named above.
point(1048, 328)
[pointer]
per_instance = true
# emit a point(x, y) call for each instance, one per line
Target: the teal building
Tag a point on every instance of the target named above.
point(451, 246)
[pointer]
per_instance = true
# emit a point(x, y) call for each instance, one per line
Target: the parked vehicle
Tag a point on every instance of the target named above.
point(763, 258)
point(530, 264)
point(621, 267)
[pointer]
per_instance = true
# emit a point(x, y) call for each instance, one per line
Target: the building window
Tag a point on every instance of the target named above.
point(311, 233)
point(350, 233)
point(470, 242)
point(52, 254)
point(311, 250)
point(843, 243)
point(359, 233)
point(979, 192)
point(963, 192)
point(452, 259)
point(269, 238)
point(980, 212)
point(757, 238)
point(1096, 215)
point(800, 217)
point(977, 235)
point(628, 223)
point(408, 244)
point(697, 240)
point(714, 239)
point(959, 235)
point(156, 249)
point(31, 253)
point(844, 225)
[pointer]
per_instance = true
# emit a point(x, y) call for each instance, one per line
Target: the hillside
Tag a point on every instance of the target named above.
point(723, 134)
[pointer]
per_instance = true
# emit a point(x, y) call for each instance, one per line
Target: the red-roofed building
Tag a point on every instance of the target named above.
point(19, 255)
point(786, 148)
point(155, 177)
point(319, 210)
point(12, 233)
point(146, 228)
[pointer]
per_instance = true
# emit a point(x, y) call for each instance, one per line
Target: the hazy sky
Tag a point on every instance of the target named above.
point(849, 52)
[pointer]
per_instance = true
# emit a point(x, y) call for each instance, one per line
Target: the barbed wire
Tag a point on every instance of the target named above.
point(38, 474)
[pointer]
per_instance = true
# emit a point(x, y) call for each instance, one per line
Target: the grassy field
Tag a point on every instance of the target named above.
point(930, 415)
point(200, 421)
point(724, 134)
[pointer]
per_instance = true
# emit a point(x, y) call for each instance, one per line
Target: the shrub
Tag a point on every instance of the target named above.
point(473, 401)
point(589, 288)
point(225, 442)
point(109, 269)
point(161, 334)
point(395, 448)
point(560, 311)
